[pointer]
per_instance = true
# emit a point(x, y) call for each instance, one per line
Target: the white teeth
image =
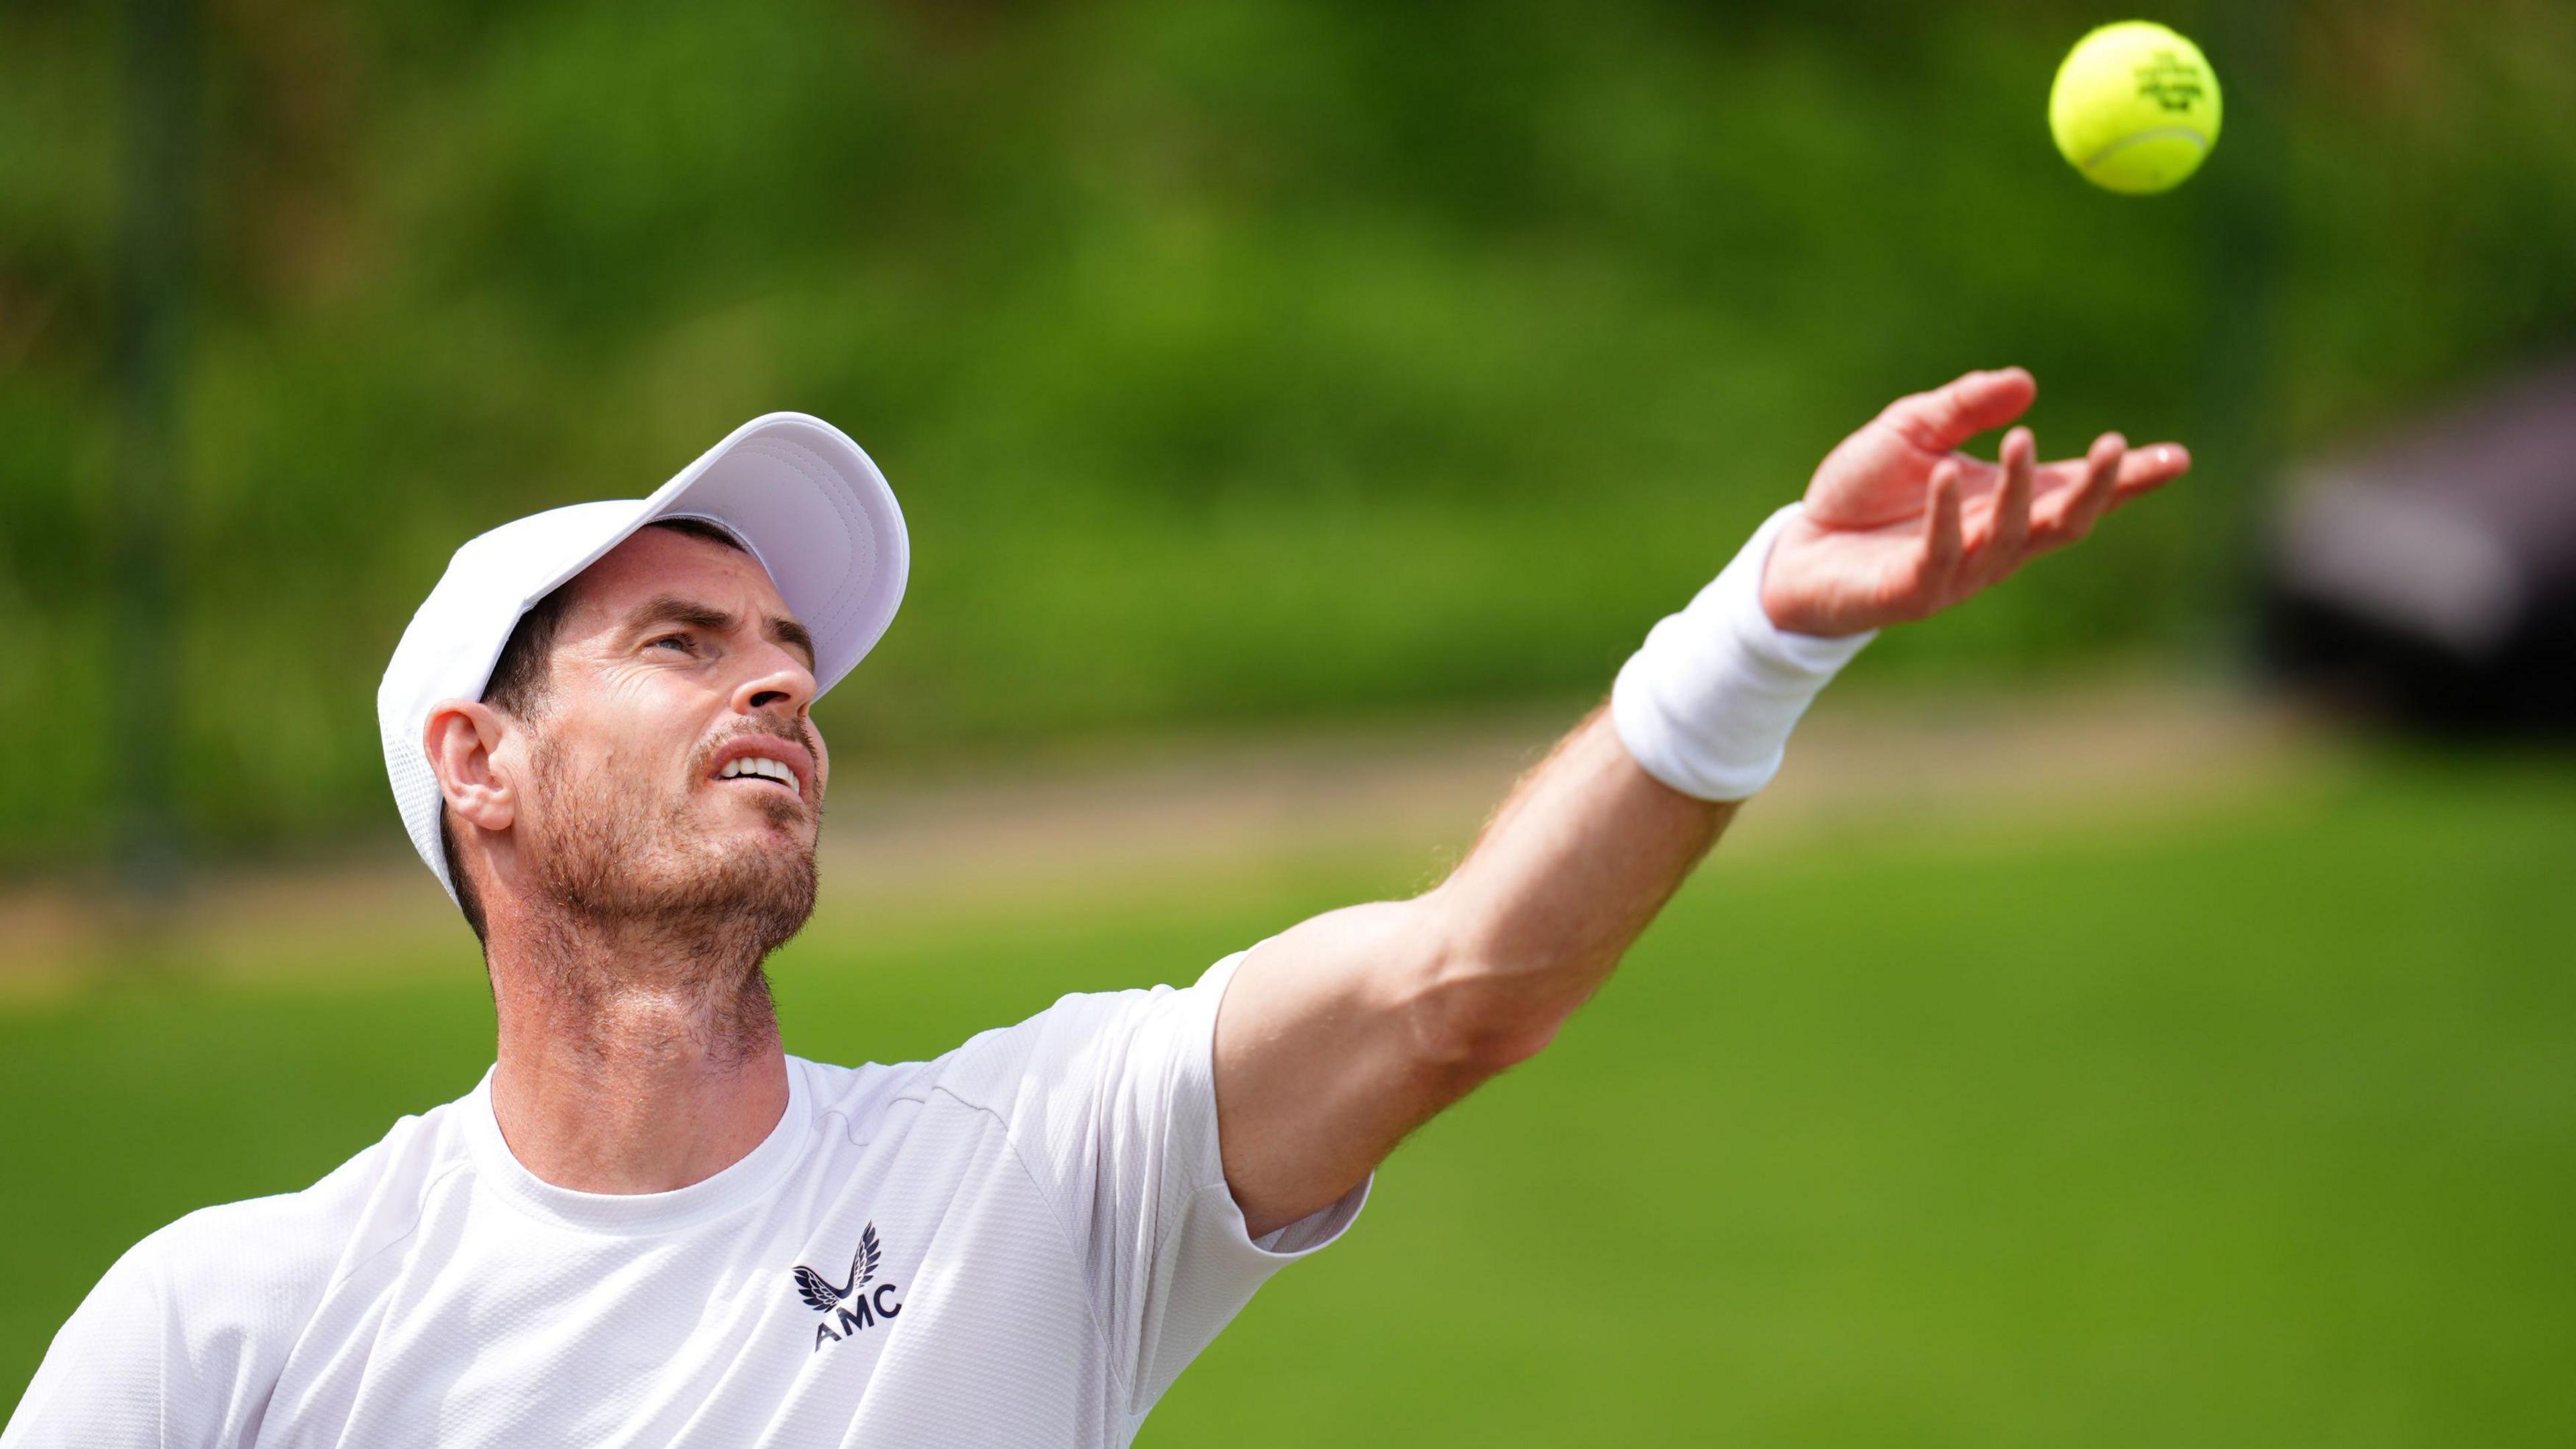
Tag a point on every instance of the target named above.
point(758, 765)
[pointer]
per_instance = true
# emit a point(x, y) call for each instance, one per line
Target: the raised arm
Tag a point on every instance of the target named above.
point(1344, 1033)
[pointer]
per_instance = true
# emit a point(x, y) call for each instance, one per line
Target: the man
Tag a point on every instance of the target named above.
point(649, 1226)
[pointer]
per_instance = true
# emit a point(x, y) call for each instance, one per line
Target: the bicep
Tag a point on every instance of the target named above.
point(1328, 1051)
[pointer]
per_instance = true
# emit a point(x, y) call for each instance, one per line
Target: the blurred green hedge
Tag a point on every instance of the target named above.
point(1231, 360)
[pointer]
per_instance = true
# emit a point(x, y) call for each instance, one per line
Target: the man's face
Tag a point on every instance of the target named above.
point(674, 701)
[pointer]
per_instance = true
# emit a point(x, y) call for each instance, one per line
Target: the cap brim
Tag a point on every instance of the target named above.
point(811, 506)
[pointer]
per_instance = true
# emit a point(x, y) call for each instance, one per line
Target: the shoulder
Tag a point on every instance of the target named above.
point(1083, 1038)
point(231, 1268)
point(195, 1321)
point(286, 1248)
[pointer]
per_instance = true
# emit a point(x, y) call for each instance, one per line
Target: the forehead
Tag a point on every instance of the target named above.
point(656, 561)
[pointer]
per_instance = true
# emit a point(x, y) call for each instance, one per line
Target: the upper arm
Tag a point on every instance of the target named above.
point(1336, 1038)
point(1109, 1102)
point(1343, 1034)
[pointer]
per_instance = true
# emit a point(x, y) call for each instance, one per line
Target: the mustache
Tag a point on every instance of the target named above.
point(794, 732)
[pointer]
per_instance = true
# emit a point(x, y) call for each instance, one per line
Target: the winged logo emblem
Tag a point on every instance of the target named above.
point(822, 1294)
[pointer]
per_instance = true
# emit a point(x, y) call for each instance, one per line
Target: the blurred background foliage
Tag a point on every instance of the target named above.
point(1240, 360)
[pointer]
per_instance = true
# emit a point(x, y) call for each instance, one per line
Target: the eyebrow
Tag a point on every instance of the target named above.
point(673, 609)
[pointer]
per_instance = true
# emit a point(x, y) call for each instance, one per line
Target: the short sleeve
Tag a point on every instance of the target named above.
point(101, 1381)
point(180, 1344)
point(1114, 1110)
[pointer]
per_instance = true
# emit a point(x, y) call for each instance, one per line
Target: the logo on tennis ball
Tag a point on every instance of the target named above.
point(2134, 107)
point(2170, 81)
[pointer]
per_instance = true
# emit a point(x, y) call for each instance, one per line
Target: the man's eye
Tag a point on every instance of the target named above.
point(678, 641)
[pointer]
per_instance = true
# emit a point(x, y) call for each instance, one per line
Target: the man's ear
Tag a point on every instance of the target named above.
point(461, 736)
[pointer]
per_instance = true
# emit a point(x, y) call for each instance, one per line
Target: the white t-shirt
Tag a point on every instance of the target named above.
point(1022, 1242)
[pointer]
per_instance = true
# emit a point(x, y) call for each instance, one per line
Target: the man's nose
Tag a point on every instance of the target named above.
point(785, 683)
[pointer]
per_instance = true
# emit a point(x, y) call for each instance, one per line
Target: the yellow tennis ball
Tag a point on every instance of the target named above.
point(2135, 107)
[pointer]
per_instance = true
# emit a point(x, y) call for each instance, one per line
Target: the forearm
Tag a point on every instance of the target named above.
point(1594, 841)
point(1581, 855)
point(1345, 1032)
point(1416, 1002)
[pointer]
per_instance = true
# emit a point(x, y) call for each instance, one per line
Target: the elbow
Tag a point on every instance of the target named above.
point(1465, 1034)
point(1473, 1018)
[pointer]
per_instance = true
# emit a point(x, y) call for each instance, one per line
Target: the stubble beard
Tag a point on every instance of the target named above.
point(624, 867)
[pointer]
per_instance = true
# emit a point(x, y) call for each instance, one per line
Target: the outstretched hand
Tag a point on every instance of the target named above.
point(1898, 524)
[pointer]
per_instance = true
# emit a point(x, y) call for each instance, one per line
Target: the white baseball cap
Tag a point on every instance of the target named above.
point(800, 495)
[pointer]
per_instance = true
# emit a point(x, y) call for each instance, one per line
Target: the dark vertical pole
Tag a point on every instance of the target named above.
point(155, 256)
point(2238, 446)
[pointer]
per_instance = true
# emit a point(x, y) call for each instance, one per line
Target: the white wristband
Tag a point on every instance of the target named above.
point(1706, 705)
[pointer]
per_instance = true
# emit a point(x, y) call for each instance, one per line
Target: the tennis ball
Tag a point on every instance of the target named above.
point(2135, 107)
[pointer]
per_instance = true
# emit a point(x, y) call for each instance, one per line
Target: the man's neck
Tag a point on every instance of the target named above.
point(630, 1061)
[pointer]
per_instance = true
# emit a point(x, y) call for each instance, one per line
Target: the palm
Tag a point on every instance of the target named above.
point(1899, 524)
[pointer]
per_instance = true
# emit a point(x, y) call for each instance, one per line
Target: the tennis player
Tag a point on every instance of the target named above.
point(648, 1225)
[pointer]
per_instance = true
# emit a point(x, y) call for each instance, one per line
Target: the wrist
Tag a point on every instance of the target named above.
point(1706, 705)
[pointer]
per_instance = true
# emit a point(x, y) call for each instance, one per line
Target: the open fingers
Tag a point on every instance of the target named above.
point(1956, 411)
point(2087, 501)
point(2008, 530)
point(1944, 541)
point(2141, 469)
point(2152, 466)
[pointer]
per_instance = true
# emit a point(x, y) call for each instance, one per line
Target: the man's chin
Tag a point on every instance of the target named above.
point(755, 875)
point(775, 824)
point(778, 830)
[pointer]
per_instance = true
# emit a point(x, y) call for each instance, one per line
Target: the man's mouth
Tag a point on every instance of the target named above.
point(757, 760)
point(759, 768)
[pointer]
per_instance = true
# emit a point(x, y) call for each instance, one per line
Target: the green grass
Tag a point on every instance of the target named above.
point(2254, 1123)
